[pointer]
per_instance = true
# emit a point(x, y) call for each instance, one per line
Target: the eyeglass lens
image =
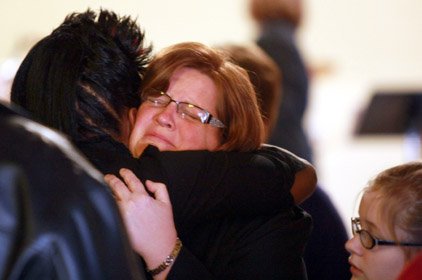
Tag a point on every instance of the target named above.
point(365, 237)
point(161, 99)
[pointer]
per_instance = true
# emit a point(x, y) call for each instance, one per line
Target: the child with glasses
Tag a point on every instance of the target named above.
point(388, 232)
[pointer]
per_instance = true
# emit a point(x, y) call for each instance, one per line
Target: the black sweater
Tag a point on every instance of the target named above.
point(233, 211)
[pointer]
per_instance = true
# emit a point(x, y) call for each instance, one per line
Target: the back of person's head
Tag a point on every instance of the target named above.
point(82, 77)
point(237, 107)
point(268, 10)
point(399, 190)
point(265, 77)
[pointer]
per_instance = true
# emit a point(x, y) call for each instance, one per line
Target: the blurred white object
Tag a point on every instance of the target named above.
point(412, 146)
point(8, 70)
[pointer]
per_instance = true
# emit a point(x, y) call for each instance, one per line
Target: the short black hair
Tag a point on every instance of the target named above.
point(82, 77)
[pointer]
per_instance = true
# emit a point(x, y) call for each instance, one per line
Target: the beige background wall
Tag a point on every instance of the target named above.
point(357, 46)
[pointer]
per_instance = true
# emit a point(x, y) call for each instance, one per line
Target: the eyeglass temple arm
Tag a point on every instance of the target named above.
point(384, 242)
point(215, 122)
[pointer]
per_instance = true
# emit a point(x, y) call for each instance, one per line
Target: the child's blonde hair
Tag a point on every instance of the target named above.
point(400, 192)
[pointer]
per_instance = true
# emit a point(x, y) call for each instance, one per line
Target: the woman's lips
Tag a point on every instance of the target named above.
point(158, 139)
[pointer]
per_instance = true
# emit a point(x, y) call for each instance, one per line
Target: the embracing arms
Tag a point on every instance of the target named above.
point(210, 184)
point(205, 186)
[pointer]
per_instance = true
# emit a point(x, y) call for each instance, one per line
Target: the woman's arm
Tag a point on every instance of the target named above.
point(229, 248)
point(305, 175)
point(204, 184)
point(304, 185)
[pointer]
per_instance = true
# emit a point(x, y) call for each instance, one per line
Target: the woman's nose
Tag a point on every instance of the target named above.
point(166, 116)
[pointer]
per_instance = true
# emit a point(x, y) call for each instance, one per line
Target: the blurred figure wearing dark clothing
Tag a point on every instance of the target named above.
point(278, 20)
point(325, 256)
point(277, 40)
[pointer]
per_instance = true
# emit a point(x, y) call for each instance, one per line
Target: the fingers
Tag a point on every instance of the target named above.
point(124, 190)
point(118, 188)
point(132, 182)
point(159, 191)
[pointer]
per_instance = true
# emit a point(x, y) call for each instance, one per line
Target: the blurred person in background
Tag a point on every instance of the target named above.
point(278, 21)
point(325, 256)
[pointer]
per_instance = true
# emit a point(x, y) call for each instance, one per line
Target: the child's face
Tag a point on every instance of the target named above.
point(380, 262)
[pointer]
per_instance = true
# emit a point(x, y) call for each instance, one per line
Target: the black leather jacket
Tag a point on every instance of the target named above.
point(57, 218)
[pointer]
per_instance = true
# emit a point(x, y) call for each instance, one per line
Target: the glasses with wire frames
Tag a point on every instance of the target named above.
point(369, 242)
point(161, 99)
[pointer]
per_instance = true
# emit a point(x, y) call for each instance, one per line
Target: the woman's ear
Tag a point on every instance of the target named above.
point(132, 117)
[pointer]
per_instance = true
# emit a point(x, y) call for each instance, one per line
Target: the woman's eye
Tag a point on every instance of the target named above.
point(157, 101)
point(188, 115)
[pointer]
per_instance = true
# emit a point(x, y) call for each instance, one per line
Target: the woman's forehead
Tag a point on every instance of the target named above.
point(188, 84)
